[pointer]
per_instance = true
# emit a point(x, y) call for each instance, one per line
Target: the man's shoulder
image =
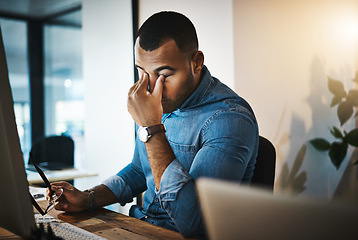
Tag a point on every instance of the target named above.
point(226, 99)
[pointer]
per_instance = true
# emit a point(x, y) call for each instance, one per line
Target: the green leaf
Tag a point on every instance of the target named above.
point(336, 88)
point(353, 97)
point(337, 153)
point(320, 144)
point(335, 101)
point(352, 137)
point(344, 111)
point(336, 133)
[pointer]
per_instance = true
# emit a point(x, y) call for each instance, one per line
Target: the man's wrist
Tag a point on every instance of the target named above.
point(145, 133)
point(91, 203)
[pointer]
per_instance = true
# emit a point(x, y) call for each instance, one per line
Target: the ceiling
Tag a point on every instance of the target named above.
point(37, 9)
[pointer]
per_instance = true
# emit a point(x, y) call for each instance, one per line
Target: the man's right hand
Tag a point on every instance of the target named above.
point(72, 199)
point(145, 107)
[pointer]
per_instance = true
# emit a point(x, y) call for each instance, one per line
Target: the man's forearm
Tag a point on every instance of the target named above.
point(160, 155)
point(103, 196)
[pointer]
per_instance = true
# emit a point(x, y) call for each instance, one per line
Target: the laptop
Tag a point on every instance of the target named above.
point(16, 212)
point(233, 211)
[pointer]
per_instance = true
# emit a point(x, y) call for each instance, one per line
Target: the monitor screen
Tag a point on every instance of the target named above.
point(16, 212)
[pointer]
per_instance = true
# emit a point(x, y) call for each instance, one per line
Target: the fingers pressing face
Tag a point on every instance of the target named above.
point(175, 67)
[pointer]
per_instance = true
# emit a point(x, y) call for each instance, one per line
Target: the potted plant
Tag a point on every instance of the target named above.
point(345, 103)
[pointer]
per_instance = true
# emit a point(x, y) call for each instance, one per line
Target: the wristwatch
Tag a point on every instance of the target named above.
point(145, 133)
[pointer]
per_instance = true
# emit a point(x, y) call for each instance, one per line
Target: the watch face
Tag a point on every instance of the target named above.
point(143, 134)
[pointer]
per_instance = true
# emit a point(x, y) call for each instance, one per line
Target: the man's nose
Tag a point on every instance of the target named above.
point(151, 82)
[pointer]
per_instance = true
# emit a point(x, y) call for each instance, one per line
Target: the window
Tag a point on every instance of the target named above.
point(64, 85)
point(14, 34)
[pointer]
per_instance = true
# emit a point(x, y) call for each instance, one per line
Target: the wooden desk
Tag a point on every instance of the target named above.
point(59, 175)
point(110, 225)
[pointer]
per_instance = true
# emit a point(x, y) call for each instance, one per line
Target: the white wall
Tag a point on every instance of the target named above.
point(276, 54)
point(279, 54)
point(284, 51)
point(213, 22)
point(108, 75)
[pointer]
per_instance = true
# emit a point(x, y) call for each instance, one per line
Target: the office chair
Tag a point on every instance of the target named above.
point(264, 173)
point(53, 153)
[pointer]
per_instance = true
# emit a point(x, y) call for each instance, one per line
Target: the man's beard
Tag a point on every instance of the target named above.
point(169, 105)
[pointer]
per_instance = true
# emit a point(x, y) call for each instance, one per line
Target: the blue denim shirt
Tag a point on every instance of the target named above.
point(213, 134)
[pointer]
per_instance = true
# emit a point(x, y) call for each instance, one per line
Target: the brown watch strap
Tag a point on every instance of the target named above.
point(156, 129)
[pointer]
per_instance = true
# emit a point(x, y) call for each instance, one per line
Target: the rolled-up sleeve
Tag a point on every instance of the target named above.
point(129, 182)
point(122, 191)
point(177, 195)
point(173, 179)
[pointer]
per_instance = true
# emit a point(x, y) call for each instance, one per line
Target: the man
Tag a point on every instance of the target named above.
point(209, 132)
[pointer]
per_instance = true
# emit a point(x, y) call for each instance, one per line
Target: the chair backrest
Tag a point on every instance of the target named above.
point(264, 173)
point(54, 152)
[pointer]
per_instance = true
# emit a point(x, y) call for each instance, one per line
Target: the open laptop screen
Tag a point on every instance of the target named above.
point(234, 211)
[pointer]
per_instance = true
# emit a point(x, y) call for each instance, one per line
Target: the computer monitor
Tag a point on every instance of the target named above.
point(16, 212)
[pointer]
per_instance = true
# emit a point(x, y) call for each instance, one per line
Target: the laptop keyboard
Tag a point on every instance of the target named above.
point(62, 229)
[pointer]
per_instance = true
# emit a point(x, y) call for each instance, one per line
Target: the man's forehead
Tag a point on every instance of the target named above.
point(165, 54)
point(162, 42)
point(166, 45)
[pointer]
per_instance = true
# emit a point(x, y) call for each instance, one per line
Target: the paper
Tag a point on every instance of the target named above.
point(38, 193)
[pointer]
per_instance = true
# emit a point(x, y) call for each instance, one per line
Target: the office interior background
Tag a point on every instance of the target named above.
point(276, 54)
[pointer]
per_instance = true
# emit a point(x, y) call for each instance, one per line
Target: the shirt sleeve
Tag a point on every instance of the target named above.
point(122, 191)
point(173, 179)
point(129, 182)
point(177, 196)
point(225, 154)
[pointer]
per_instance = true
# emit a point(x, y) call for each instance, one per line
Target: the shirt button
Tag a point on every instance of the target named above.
point(156, 200)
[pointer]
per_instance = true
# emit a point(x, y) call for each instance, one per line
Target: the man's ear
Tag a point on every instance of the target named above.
point(198, 61)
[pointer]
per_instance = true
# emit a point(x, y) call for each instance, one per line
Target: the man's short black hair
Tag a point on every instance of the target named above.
point(164, 26)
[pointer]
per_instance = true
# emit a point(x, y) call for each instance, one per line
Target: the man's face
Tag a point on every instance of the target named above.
point(175, 66)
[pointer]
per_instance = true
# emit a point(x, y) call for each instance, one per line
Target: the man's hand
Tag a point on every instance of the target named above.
point(72, 199)
point(145, 107)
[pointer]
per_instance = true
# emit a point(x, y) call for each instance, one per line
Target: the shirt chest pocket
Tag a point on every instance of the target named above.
point(184, 153)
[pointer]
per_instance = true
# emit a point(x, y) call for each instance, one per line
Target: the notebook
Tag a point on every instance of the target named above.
point(233, 211)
